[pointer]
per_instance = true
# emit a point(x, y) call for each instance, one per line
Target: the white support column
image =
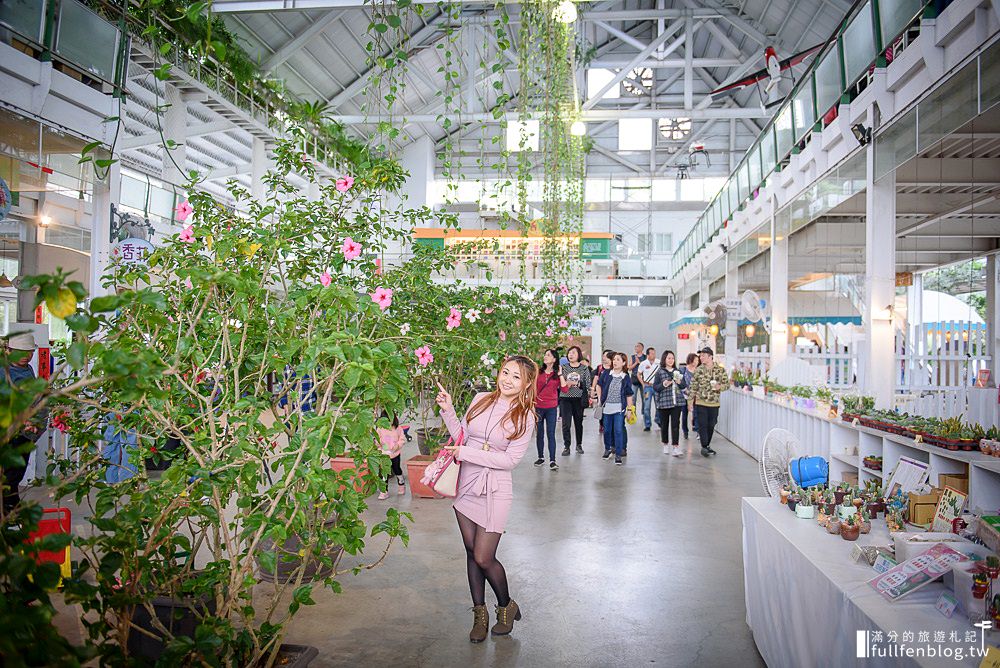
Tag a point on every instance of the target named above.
point(174, 128)
point(259, 165)
point(779, 291)
point(880, 284)
point(106, 193)
point(732, 314)
point(992, 317)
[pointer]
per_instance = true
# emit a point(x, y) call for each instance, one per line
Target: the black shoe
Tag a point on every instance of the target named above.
point(645, 428)
point(539, 462)
point(705, 452)
point(553, 466)
point(607, 454)
point(625, 452)
point(565, 452)
point(579, 450)
point(618, 461)
point(686, 437)
point(711, 451)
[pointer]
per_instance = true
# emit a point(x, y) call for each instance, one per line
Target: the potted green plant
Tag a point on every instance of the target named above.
point(805, 508)
point(993, 566)
point(980, 584)
point(866, 522)
point(850, 527)
point(794, 498)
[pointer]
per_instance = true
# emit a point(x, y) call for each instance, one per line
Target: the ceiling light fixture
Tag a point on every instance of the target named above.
point(44, 221)
point(578, 129)
point(565, 12)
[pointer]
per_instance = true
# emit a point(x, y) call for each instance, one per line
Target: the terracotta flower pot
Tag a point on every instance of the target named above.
point(858, 503)
point(850, 532)
point(792, 502)
point(978, 590)
point(830, 508)
point(839, 496)
point(415, 467)
point(784, 496)
point(361, 485)
point(866, 527)
point(833, 526)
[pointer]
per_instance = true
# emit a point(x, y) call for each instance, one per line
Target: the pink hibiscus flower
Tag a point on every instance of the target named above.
point(503, 335)
point(548, 331)
point(489, 310)
point(183, 210)
point(188, 284)
point(326, 279)
point(186, 235)
point(351, 249)
point(604, 311)
point(563, 290)
point(424, 356)
point(454, 318)
point(382, 297)
point(344, 183)
point(563, 323)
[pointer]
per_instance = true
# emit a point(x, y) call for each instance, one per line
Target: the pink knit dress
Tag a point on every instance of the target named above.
point(485, 486)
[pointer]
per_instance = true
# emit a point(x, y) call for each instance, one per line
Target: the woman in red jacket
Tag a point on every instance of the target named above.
point(547, 388)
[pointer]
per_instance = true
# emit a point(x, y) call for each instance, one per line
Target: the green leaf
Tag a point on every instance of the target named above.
point(403, 4)
point(162, 72)
point(89, 147)
point(103, 163)
point(393, 20)
point(76, 354)
point(165, 48)
point(105, 304)
point(219, 48)
point(381, 27)
point(303, 595)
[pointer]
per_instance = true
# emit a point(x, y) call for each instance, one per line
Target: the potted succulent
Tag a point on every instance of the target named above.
point(830, 502)
point(847, 508)
point(894, 521)
point(833, 525)
point(841, 491)
point(850, 528)
point(785, 493)
point(993, 567)
point(794, 498)
point(805, 508)
point(866, 522)
point(980, 584)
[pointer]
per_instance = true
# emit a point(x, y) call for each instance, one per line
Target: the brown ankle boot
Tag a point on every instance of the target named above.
point(481, 622)
point(506, 618)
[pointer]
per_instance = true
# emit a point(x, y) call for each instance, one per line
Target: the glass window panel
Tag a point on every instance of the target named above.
point(783, 132)
point(896, 144)
point(87, 40)
point(755, 174)
point(989, 63)
point(828, 83)
point(161, 202)
point(664, 190)
point(692, 190)
point(768, 150)
point(743, 176)
point(803, 105)
point(859, 44)
point(895, 15)
point(952, 105)
point(635, 134)
point(133, 193)
point(734, 197)
point(24, 17)
point(597, 79)
point(596, 190)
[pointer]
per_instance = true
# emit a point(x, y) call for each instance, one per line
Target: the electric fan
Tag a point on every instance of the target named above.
point(750, 309)
point(780, 464)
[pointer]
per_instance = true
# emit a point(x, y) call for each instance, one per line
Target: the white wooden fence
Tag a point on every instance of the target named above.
point(839, 362)
point(938, 357)
point(755, 360)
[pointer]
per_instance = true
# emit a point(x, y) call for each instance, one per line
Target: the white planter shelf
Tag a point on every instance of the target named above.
point(745, 419)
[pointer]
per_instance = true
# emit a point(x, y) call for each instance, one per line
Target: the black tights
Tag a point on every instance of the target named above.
point(481, 561)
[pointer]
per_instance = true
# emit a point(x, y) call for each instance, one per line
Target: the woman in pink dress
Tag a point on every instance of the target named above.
point(497, 428)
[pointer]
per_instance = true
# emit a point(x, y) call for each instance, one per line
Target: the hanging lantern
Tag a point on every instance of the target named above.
point(796, 330)
point(750, 330)
point(947, 336)
point(965, 335)
point(713, 330)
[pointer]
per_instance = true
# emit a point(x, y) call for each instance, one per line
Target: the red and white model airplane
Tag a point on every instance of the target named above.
point(772, 71)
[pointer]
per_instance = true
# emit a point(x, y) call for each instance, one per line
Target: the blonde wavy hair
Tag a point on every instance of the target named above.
point(522, 410)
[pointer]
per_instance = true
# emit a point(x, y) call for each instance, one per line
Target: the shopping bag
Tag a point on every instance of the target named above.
point(441, 475)
point(630, 416)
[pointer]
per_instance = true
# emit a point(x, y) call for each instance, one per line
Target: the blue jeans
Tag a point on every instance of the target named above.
point(546, 419)
point(614, 433)
point(649, 411)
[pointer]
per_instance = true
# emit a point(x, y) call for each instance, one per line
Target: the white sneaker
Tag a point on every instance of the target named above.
point(666, 449)
point(677, 451)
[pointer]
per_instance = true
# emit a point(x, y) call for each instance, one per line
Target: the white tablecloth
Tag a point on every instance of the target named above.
point(806, 600)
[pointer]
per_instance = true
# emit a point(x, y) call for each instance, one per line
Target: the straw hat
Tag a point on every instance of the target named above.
point(21, 341)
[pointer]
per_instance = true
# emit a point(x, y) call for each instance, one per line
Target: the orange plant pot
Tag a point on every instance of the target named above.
point(347, 463)
point(415, 467)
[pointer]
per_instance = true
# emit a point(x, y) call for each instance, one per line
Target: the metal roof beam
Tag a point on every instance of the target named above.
point(667, 63)
point(588, 115)
point(290, 47)
point(189, 132)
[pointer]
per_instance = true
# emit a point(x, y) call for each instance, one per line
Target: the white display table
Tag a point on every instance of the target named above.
point(745, 419)
point(806, 600)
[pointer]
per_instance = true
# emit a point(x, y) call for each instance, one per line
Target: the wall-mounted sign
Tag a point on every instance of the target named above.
point(595, 249)
point(904, 279)
point(131, 251)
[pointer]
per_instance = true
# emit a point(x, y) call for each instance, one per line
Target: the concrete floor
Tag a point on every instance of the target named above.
point(612, 566)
